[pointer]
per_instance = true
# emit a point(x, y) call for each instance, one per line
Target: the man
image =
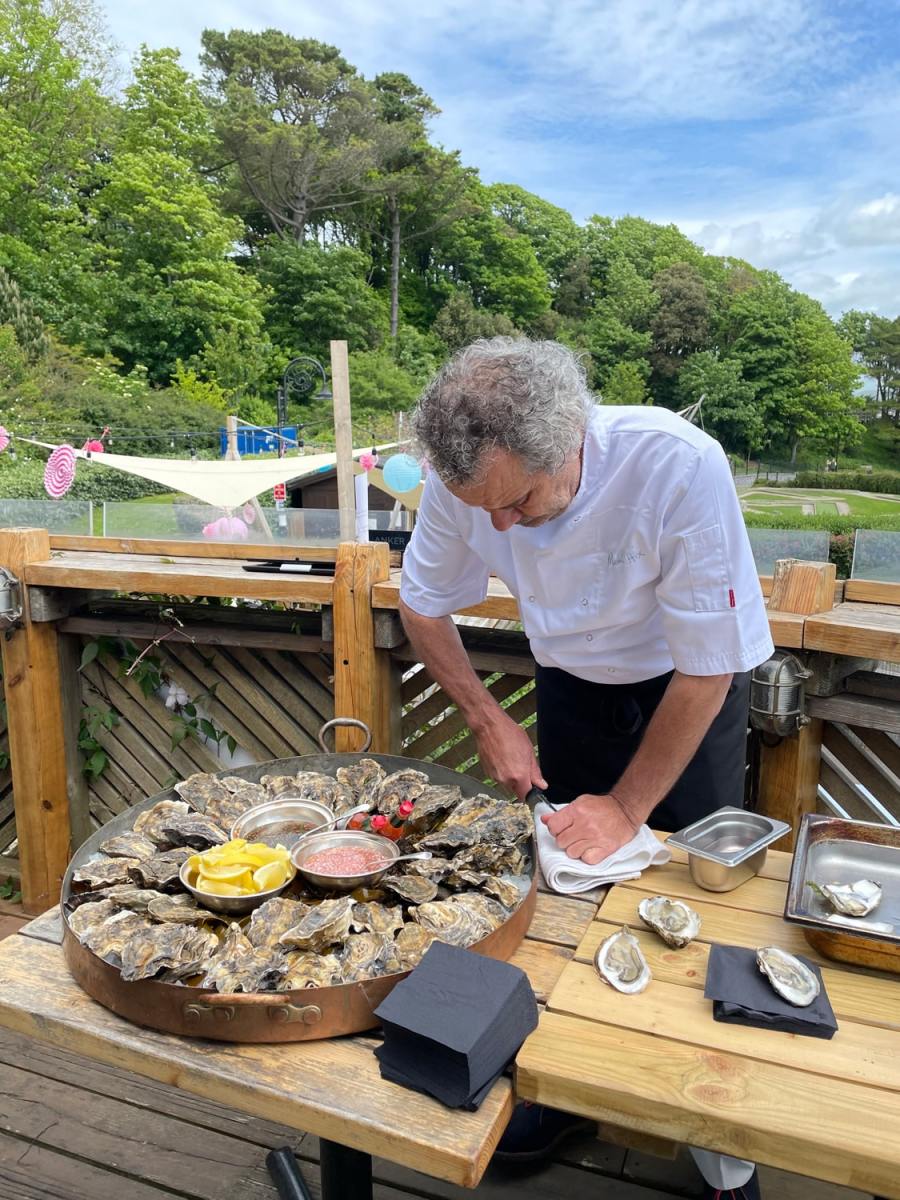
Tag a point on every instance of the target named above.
point(620, 534)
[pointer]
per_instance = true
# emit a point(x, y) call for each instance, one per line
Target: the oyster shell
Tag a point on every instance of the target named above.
point(434, 803)
point(496, 860)
point(324, 789)
point(505, 891)
point(361, 779)
point(237, 966)
point(366, 955)
point(453, 923)
point(412, 888)
point(789, 976)
point(195, 830)
point(488, 912)
point(160, 871)
point(103, 872)
point(853, 899)
point(129, 845)
point(479, 820)
point(89, 916)
point(304, 969)
point(674, 921)
point(278, 785)
point(324, 925)
point(621, 963)
point(405, 784)
point(372, 917)
point(150, 822)
point(181, 909)
point(411, 943)
point(272, 919)
point(178, 949)
point(110, 938)
point(126, 895)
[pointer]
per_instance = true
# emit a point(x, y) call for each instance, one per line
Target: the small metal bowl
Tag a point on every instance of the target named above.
point(258, 823)
point(343, 837)
point(233, 906)
point(727, 847)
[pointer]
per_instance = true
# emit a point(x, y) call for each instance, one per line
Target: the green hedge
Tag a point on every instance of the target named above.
point(887, 482)
point(23, 479)
point(842, 530)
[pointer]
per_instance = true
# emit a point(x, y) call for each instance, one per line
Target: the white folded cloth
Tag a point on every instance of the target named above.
point(570, 875)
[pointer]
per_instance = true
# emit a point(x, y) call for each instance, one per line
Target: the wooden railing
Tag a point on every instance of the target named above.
point(268, 679)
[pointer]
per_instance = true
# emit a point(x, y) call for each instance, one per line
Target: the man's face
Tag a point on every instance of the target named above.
point(514, 496)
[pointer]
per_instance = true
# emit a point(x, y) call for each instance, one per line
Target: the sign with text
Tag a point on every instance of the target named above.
point(279, 491)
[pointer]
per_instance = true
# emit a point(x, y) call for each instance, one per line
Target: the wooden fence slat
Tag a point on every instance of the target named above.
point(302, 719)
point(414, 685)
point(310, 678)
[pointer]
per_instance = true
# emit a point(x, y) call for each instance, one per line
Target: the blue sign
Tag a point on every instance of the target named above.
point(260, 441)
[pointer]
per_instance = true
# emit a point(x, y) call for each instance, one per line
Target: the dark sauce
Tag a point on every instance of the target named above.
point(284, 833)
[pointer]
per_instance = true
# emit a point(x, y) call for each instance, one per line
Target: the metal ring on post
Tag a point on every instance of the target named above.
point(349, 722)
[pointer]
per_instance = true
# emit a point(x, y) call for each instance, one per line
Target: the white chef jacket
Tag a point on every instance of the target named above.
point(648, 568)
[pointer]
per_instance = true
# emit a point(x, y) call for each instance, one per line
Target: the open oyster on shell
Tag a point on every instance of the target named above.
point(853, 899)
point(789, 976)
point(621, 963)
point(674, 921)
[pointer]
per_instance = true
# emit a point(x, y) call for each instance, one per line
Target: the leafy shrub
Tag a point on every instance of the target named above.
point(856, 481)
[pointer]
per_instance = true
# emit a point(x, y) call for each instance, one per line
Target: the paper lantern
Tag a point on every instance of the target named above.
point(402, 473)
point(226, 529)
point(59, 473)
point(4, 438)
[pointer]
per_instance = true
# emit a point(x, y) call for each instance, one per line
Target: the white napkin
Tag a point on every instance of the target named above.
point(570, 875)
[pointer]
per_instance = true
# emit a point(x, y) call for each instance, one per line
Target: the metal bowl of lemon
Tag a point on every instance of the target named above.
point(238, 876)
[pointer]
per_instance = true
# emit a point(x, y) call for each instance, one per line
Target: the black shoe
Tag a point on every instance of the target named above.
point(747, 1191)
point(534, 1132)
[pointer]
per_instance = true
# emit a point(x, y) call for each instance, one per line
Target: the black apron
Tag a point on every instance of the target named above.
point(588, 733)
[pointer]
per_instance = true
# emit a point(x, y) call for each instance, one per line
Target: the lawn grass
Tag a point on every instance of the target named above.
point(787, 501)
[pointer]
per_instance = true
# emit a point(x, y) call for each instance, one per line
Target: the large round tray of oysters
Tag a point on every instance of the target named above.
point(309, 962)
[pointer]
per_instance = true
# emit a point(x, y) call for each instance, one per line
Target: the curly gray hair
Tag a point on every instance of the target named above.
point(529, 398)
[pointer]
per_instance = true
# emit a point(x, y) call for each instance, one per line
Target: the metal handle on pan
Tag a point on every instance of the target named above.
point(225, 1008)
point(349, 722)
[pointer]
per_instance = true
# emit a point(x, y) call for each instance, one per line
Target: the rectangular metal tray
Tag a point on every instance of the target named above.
point(729, 835)
point(834, 850)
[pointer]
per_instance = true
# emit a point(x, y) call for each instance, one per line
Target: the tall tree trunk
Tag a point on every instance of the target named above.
point(394, 209)
point(794, 448)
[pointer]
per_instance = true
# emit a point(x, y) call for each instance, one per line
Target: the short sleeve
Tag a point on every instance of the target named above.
point(441, 573)
point(712, 606)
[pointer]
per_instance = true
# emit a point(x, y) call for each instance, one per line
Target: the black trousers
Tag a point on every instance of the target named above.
point(588, 733)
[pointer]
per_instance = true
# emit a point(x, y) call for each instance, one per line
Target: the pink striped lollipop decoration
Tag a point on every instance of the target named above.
point(4, 438)
point(59, 473)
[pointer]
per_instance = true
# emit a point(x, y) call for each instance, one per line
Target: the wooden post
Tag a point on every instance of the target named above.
point(343, 440)
point(36, 739)
point(366, 683)
point(789, 770)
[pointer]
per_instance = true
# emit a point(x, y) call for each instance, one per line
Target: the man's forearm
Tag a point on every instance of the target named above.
point(688, 708)
point(437, 643)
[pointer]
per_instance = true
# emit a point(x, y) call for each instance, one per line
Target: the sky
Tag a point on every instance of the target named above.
point(765, 129)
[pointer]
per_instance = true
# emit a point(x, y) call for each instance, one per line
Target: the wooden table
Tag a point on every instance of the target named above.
point(658, 1063)
point(329, 1088)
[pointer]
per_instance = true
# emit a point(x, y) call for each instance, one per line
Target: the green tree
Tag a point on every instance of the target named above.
point(550, 230)
point(876, 344)
point(627, 384)
point(728, 411)
point(681, 323)
point(18, 313)
point(460, 322)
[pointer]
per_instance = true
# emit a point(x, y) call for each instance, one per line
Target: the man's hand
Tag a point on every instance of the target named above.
point(507, 755)
point(591, 827)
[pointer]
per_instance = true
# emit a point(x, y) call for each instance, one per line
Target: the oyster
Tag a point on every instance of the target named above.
point(324, 925)
point(621, 962)
point(233, 799)
point(181, 909)
point(126, 895)
point(274, 918)
point(479, 820)
point(372, 917)
point(453, 923)
point(195, 830)
point(324, 789)
point(89, 916)
point(497, 860)
point(434, 868)
point(150, 822)
point(412, 888)
point(488, 912)
point(304, 969)
point(361, 779)
point(237, 966)
point(179, 949)
point(505, 891)
point(405, 784)
point(411, 943)
point(432, 805)
point(789, 976)
point(103, 872)
point(674, 921)
point(160, 871)
point(366, 955)
point(853, 899)
point(110, 938)
point(128, 845)
point(278, 785)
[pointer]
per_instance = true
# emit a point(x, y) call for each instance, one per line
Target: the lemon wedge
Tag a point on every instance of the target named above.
point(272, 875)
point(215, 887)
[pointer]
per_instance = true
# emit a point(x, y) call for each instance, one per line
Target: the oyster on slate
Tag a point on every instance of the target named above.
point(324, 925)
point(181, 909)
point(411, 943)
point(366, 955)
point(180, 950)
point(103, 872)
point(453, 923)
point(237, 966)
point(791, 978)
point(304, 969)
point(412, 888)
point(372, 917)
point(853, 899)
point(674, 921)
point(110, 938)
point(195, 830)
point(361, 779)
point(405, 784)
point(272, 919)
point(621, 963)
point(129, 845)
point(160, 871)
point(150, 823)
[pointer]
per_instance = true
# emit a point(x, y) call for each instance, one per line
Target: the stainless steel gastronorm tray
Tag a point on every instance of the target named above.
point(729, 835)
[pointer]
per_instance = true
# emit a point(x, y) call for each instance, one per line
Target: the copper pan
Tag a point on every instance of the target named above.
point(270, 1016)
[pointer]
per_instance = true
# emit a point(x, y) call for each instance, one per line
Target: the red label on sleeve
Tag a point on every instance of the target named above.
point(731, 597)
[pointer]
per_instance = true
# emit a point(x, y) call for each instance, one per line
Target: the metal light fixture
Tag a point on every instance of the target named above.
point(299, 379)
point(777, 693)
